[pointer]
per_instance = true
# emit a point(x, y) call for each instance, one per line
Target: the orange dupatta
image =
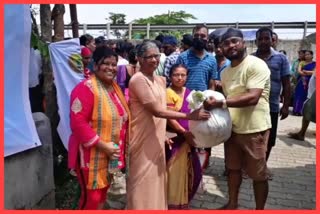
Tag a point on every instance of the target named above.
point(107, 124)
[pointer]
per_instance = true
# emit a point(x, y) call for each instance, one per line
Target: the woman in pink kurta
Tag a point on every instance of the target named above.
point(147, 179)
point(99, 118)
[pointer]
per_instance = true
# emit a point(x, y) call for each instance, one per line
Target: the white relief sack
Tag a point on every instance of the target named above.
point(217, 129)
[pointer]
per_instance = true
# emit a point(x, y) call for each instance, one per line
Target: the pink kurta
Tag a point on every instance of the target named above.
point(147, 181)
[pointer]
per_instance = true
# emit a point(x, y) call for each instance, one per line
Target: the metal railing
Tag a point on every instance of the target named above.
point(241, 25)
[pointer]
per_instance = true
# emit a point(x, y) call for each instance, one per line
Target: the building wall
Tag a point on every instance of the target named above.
point(290, 46)
point(29, 179)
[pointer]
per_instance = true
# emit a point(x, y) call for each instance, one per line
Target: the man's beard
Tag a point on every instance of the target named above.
point(238, 56)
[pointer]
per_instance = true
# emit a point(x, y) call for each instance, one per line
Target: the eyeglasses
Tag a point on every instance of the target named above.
point(156, 56)
point(179, 75)
point(234, 41)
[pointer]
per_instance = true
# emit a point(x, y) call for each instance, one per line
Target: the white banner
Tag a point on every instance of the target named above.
point(19, 129)
point(67, 71)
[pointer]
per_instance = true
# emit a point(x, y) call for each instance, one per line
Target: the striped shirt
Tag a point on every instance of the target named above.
point(170, 61)
point(279, 67)
point(200, 70)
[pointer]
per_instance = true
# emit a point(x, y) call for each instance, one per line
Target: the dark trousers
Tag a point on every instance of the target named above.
point(273, 132)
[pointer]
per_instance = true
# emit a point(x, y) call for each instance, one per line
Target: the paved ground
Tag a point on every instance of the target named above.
point(292, 163)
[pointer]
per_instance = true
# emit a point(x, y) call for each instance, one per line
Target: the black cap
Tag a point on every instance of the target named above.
point(216, 35)
point(232, 32)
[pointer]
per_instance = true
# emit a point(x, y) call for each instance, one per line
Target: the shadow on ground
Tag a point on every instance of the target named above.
point(291, 188)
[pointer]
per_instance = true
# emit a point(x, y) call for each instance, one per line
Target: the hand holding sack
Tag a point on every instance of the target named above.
point(217, 129)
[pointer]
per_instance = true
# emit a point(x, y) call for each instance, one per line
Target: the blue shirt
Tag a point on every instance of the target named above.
point(279, 67)
point(170, 61)
point(220, 69)
point(200, 70)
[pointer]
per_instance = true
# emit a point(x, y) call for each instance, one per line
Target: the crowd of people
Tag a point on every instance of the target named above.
point(133, 95)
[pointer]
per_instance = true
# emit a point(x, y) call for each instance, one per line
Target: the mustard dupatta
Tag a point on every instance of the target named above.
point(107, 124)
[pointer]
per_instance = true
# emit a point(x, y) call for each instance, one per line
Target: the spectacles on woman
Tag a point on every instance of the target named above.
point(156, 56)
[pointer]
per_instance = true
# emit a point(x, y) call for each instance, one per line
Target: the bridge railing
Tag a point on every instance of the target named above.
point(148, 27)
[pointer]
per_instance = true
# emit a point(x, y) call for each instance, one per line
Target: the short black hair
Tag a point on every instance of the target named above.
point(99, 40)
point(101, 53)
point(264, 29)
point(310, 51)
point(198, 27)
point(85, 39)
point(157, 42)
point(187, 39)
point(132, 56)
point(302, 51)
point(159, 38)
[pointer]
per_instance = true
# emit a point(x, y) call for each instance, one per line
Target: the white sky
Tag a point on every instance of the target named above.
point(205, 13)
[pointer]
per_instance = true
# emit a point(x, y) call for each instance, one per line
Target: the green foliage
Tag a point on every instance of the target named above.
point(41, 46)
point(172, 18)
point(116, 19)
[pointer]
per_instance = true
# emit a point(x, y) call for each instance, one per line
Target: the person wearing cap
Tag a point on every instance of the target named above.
point(186, 42)
point(246, 85)
point(280, 79)
point(169, 45)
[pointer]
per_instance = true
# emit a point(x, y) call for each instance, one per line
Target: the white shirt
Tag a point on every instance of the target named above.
point(122, 61)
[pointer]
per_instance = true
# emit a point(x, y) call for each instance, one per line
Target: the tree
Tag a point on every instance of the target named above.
point(117, 19)
point(170, 18)
point(58, 22)
point(45, 22)
point(74, 20)
point(49, 90)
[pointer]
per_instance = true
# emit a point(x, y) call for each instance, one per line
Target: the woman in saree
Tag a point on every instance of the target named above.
point(183, 165)
point(99, 119)
point(305, 71)
point(147, 177)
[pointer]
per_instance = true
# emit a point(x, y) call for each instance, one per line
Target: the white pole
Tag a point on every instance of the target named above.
point(84, 28)
point(108, 30)
point(130, 30)
point(148, 30)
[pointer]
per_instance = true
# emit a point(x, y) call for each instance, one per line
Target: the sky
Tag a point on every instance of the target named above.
point(205, 13)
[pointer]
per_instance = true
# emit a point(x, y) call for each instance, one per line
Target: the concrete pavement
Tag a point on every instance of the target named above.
point(292, 163)
point(293, 186)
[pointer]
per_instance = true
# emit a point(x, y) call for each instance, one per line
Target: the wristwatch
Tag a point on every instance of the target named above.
point(224, 104)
